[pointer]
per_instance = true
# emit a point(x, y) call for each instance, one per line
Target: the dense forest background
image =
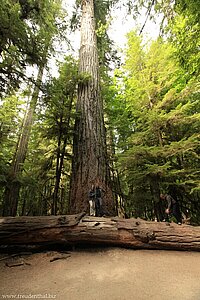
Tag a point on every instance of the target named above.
point(151, 108)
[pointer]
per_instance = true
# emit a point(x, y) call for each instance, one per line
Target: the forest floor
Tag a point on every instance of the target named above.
point(102, 274)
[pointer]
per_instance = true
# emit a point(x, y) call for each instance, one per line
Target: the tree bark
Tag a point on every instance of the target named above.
point(89, 164)
point(12, 190)
point(62, 143)
point(81, 229)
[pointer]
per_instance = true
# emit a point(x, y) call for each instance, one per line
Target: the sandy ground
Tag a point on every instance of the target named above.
point(104, 274)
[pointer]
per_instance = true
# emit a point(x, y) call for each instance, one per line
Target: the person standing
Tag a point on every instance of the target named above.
point(172, 207)
point(98, 201)
point(92, 201)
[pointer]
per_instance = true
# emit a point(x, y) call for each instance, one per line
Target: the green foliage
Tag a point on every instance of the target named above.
point(51, 131)
point(26, 30)
point(11, 113)
point(185, 29)
point(188, 7)
point(10, 121)
point(116, 111)
point(164, 146)
point(84, 78)
point(52, 136)
point(58, 100)
point(152, 111)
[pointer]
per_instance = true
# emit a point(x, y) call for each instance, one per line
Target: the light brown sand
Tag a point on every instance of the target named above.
point(106, 274)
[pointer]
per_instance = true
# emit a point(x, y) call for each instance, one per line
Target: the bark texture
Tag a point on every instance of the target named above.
point(12, 189)
point(77, 229)
point(61, 148)
point(89, 148)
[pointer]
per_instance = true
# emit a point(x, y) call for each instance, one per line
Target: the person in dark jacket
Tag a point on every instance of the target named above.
point(98, 201)
point(172, 207)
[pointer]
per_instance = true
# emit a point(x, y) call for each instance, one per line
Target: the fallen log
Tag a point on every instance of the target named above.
point(82, 229)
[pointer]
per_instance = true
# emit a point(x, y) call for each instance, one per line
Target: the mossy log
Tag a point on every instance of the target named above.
point(82, 229)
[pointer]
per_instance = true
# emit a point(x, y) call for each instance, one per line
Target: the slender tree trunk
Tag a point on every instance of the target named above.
point(155, 191)
point(61, 156)
point(12, 189)
point(58, 175)
point(89, 148)
point(116, 186)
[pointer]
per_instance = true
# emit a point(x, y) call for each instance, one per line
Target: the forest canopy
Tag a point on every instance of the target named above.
point(143, 102)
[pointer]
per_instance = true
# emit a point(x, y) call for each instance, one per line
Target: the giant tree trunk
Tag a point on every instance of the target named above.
point(80, 229)
point(89, 148)
point(12, 189)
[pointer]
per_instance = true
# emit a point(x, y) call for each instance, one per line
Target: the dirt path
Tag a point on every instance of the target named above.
point(105, 274)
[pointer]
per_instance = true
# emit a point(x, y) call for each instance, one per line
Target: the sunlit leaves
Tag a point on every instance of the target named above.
point(164, 145)
point(27, 30)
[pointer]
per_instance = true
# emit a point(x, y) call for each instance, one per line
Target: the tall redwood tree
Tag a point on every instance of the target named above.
point(89, 150)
